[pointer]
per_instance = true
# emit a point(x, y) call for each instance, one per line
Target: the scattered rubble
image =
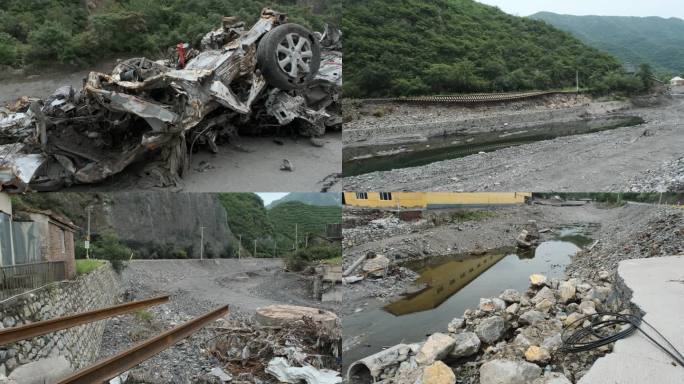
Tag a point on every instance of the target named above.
point(240, 81)
point(491, 345)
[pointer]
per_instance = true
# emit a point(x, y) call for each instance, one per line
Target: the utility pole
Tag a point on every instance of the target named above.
point(202, 242)
point(306, 241)
point(275, 248)
point(255, 253)
point(577, 80)
point(239, 245)
point(296, 245)
point(87, 241)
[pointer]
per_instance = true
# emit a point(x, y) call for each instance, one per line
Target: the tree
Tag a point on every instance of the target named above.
point(646, 75)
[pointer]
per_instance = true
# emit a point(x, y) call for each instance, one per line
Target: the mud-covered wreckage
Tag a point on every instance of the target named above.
point(240, 81)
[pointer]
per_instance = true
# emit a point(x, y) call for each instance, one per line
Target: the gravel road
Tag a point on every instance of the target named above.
point(195, 287)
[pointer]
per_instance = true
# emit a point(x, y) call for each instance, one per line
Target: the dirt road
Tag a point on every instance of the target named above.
point(195, 286)
point(637, 158)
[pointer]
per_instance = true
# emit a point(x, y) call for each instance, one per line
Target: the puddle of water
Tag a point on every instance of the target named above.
point(358, 161)
point(454, 284)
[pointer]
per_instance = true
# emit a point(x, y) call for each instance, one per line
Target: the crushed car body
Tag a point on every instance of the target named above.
point(241, 81)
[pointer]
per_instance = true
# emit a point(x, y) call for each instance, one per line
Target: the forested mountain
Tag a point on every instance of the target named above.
point(653, 40)
point(418, 47)
point(77, 32)
point(311, 198)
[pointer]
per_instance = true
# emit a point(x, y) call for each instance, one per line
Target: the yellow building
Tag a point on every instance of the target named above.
point(433, 200)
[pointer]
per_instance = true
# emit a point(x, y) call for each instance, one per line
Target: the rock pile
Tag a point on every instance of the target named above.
point(511, 339)
point(663, 235)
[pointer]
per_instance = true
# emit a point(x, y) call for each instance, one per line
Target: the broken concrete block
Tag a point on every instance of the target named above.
point(491, 305)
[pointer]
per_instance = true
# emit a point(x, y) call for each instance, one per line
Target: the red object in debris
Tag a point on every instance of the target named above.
point(180, 49)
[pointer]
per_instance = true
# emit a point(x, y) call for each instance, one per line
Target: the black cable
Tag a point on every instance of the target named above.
point(577, 338)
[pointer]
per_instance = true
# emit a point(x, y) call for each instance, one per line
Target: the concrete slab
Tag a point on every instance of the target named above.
point(657, 286)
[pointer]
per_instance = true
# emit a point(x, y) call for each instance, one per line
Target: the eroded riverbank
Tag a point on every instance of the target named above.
point(639, 157)
point(606, 235)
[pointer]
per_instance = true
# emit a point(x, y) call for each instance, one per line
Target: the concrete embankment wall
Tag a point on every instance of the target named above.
point(79, 345)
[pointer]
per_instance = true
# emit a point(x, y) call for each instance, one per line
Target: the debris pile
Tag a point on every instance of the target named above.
point(289, 350)
point(241, 81)
point(510, 339)
point(663, 235)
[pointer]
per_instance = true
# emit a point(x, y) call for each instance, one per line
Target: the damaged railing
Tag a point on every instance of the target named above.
point(17, 279)
point(111, 367)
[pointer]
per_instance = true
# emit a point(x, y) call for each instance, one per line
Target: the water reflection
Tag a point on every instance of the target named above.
point(443, 279)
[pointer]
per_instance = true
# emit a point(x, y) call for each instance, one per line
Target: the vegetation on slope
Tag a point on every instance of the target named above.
point(246, 216)
point(311, 198)
point(274, 229)
point(67, 32)
point(443, 46)
point(653, 40)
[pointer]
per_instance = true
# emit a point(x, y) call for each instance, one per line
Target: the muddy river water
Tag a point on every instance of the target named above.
point(454, 284)
point(361, 160)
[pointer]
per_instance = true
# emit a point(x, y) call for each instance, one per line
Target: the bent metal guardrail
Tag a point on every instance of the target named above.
point(111, 367)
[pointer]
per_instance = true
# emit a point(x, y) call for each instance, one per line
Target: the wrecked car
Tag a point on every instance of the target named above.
point(239, 81)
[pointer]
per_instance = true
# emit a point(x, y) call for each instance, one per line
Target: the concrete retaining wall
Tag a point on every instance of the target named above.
point(79, 345)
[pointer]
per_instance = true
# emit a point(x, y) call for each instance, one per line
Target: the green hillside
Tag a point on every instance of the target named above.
point(312, 198)
point(417, 47)
point(653, 40)
point(309, 218)
point(246, 216)
point(68, 32)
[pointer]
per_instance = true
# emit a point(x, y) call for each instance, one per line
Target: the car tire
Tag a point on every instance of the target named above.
point(289, 56)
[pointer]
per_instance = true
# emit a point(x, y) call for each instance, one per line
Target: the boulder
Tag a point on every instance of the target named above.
point(545, 305)
point(587, 307)
point(573, 317)
point(510, 296)
point(491, 329)
point(437, 347)
point(508, 372)
point(566, 291)
point(513, 308)
point(544, 293)
point(455, 325)
point(537, 355)
point(531, 317)
point(492, 305)
point(538, 280)
point(438, 373)
point(467, 344)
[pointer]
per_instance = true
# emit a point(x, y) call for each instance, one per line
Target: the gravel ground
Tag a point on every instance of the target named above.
point(195, 287)
point(614, 160)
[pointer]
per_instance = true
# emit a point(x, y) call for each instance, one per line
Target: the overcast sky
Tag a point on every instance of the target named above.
point(664, 8)
point(269, 197)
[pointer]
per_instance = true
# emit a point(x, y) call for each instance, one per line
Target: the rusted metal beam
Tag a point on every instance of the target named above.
point(10, 335)
point(110, 367)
